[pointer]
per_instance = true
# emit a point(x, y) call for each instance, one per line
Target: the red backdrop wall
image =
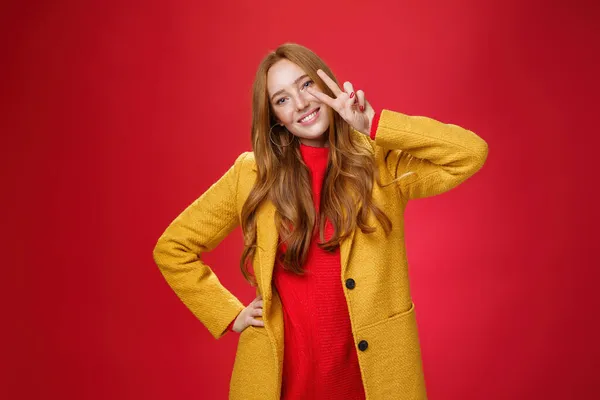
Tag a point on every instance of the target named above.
point(117, 115)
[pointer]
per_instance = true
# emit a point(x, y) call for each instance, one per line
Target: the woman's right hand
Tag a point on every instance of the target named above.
point(246, 317)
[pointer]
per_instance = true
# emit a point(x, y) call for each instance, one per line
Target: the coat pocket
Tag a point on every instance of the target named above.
point(390, 355)
point(254, 374)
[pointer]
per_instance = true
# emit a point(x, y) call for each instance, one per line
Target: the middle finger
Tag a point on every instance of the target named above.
point(349, 88)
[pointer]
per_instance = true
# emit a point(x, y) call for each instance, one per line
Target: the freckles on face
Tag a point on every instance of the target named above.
point(286, 88)
point(299, 111)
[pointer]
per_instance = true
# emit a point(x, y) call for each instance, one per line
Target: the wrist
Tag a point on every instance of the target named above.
point(374, 122)
point(232, 323)
point(370, 114)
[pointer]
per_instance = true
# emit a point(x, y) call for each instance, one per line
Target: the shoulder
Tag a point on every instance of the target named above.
point(245, 168)
point(245, 161)
point(363, 139)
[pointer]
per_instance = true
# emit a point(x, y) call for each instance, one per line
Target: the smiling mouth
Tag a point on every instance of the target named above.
point(301, 120)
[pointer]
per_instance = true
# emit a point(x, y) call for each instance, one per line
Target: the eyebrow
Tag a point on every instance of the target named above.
point(295, 82)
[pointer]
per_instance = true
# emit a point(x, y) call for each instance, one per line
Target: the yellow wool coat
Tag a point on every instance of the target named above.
point(382, 313)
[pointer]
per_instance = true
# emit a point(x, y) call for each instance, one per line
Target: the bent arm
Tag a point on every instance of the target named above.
point(435, 156)
point(199, 229)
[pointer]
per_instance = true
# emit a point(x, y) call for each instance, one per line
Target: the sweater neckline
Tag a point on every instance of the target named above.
point(316, 148)
point(312, 154)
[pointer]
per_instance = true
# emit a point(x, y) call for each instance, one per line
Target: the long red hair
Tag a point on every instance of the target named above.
point(346, 194)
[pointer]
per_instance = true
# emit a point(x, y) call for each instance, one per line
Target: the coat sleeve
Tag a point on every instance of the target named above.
point(429, 156)
point(199, 229)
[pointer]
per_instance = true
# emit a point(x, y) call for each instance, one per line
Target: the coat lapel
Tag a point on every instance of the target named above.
point(267, 241)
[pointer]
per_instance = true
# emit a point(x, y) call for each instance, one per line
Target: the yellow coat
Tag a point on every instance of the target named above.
point(381, 310)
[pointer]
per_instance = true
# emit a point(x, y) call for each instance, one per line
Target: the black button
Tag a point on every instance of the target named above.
point(362, 345)
point(350, 284)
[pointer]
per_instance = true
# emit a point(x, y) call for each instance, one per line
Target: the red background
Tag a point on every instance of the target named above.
point(117, 115)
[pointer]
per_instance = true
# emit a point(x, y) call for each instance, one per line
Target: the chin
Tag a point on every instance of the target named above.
point(321, 127)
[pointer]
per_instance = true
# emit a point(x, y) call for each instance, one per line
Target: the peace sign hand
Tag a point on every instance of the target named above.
point(352, 107)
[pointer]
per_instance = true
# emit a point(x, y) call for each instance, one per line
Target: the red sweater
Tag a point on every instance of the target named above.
point(320, 359)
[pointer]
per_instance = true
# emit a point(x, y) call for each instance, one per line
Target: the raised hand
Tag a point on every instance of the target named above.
point(352, 107)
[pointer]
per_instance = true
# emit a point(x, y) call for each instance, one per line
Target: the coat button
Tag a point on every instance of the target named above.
point(350, 284)
point(362, 345)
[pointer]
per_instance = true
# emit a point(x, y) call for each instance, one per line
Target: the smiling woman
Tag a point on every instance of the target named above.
point(320, 200)
point(294, 107)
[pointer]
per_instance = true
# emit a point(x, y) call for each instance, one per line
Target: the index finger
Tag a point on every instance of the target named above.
point(322, 97)
point(329, 82)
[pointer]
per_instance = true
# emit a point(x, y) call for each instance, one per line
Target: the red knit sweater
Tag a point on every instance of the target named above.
point(320, 359)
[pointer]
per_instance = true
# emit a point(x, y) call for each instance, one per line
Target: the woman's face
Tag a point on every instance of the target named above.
point(286, 86)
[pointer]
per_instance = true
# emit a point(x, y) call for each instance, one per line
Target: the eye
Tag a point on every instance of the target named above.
point(309, 81)
point(279, 101)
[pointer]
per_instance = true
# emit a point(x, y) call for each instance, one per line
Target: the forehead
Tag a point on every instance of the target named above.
point(282, 74)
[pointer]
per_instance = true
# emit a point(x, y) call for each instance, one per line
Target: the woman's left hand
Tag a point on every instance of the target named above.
point(352, 107)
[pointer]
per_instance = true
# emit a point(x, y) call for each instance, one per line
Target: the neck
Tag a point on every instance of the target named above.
point(317, 142)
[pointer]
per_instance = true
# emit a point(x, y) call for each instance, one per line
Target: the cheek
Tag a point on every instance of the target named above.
point(326, 110)
point(278, 114)
point(286, 115)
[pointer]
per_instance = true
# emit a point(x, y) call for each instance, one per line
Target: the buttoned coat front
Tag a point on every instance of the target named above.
point(434, 157)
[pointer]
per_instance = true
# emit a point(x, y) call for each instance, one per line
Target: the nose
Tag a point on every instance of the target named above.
point(301, 101)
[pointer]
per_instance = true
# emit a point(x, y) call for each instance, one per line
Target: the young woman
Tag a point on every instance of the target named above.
point(320, 201)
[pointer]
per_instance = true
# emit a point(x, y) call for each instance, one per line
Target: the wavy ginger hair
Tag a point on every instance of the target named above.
point(284, 179)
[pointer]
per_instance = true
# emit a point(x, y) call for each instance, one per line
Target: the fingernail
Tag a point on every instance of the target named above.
point(362, 108)
point(352, 95)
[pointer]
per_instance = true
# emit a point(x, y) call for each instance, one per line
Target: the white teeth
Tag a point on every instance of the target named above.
point(308, 117)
